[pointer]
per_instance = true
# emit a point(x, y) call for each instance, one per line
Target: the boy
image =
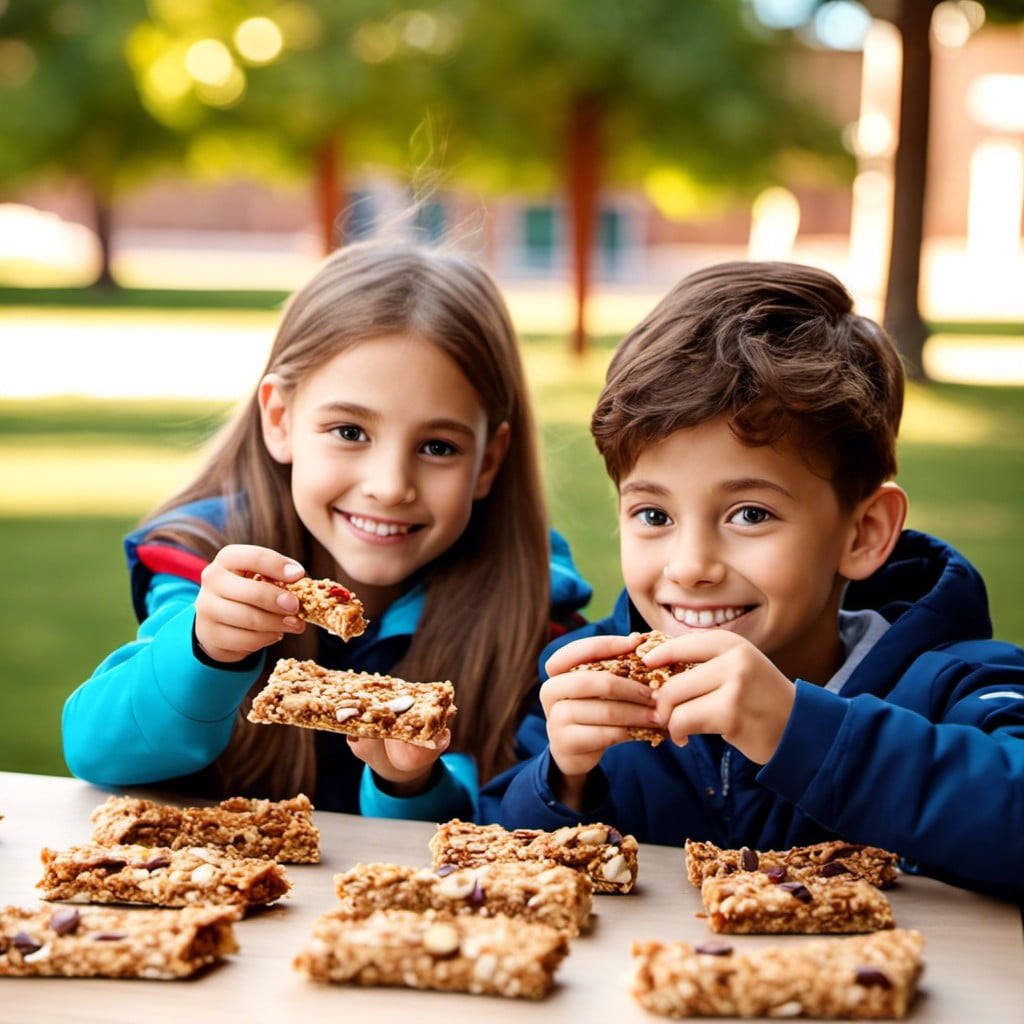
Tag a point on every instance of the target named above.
point(844, 680)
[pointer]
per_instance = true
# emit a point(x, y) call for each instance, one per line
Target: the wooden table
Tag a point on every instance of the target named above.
point(974, 954)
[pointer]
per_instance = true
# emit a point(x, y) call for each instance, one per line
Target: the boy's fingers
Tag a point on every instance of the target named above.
point(590, 684)
point(589, 648)
point(692, 647)
point(597, 713)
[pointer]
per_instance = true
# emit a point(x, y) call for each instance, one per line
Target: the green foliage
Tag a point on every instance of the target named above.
point(68, 99)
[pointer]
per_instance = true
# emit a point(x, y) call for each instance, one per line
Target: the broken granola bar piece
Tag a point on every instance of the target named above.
point(282, 829)
point(602, 853)
point(303, 693)
point(531, 890)
point(859, 978)
point(766, 902)
point(159, 876)
point(85, 942)
point(500, 956)
point(631, 666)
point(825, 860)
point(327, 604)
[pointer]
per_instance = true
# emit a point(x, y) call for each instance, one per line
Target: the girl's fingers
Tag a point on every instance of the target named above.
point(249, 558)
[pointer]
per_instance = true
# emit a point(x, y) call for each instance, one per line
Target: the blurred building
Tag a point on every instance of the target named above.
point(973, 218)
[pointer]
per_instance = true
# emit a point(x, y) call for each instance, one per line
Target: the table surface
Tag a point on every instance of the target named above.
point(974, 953)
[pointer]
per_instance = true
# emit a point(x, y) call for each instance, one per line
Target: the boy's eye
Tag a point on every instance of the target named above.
point(350, 432)
point(750, 515)
point(652, 517)
point(439, 449)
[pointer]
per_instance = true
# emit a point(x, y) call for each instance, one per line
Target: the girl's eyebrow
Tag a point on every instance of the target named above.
point(364, 413)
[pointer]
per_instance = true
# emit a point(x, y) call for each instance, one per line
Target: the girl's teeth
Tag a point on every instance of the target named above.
point(706, 616)
point(380, 529)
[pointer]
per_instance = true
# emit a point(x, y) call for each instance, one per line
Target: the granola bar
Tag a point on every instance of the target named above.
point(826, 860)
point(159, 876)
point(631, 666)
point(601, 852)
point(766, 901)
point(78, 943)
point(500, 956)
point(357, 703)
point(327, 604)
point(531, 890)
point(864, 977)
point(282, 830)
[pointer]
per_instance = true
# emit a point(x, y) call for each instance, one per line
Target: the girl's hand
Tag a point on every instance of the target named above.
point(406, 767)
point(590, 710)
point(236, 615)
point(733, 690)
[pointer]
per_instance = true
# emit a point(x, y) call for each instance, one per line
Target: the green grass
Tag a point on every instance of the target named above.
point(96, 466)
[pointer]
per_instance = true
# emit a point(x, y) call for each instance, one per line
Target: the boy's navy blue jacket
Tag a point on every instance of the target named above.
point(921, 752)
point(156, 710)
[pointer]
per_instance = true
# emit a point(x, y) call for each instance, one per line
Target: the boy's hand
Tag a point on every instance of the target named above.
point(732, 689)
point(589, 711)
point(236, 615)
point(406, 767)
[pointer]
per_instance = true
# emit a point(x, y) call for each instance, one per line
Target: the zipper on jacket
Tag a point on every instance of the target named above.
point(724, 770)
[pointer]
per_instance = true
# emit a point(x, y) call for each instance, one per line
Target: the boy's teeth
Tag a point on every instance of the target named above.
point(706, 616)
point(381, 529)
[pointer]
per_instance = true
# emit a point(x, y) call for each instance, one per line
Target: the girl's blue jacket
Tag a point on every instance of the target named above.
point(921, 752)
point(156, 710)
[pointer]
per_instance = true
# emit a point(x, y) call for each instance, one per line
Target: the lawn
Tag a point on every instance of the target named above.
point(78, 473)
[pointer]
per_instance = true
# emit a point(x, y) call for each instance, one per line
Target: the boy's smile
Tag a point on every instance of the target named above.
point(716, 534)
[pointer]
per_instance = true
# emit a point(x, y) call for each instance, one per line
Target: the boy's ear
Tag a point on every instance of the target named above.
point(274, 418)
point(877, 525)
point(494, 455)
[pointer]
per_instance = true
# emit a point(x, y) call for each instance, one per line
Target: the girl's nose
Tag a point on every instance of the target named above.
point(389, 483)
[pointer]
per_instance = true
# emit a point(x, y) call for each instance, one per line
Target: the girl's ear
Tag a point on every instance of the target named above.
point(494, 454)
point(274, 418)
point(877, 525)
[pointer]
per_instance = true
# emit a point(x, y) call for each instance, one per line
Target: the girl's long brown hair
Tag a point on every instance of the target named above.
point(486, 610)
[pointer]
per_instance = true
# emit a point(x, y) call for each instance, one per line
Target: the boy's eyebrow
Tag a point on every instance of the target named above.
point(755, 483)
point(645, 486)
point(362, 412)
point(746, 483)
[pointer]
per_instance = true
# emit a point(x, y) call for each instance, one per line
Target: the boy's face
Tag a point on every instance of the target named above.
point(719, 535)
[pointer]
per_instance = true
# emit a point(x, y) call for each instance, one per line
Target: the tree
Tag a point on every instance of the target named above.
point(611, 90)
point(902, 317)
point(68, 103)
point(299, 90)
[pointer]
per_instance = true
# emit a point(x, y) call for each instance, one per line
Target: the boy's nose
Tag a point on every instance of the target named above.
point(694, 561)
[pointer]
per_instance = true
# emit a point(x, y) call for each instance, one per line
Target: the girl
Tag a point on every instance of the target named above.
point(390, 446)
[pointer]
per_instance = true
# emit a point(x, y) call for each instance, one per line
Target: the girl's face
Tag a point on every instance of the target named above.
point(389, 449)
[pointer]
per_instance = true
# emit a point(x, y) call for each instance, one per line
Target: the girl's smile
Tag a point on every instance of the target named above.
point(389, 447)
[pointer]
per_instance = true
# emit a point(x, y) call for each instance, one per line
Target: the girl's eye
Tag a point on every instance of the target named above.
point(652, 517)
point(439, 449)
point(750, 515)
point(350, 432)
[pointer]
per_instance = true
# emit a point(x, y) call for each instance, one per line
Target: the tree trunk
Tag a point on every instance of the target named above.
point(584, 158)
point(329, 194)
point(103, 225)
point(902, 301)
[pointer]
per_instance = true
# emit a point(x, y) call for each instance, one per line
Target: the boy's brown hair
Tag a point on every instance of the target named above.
point(776, 348)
